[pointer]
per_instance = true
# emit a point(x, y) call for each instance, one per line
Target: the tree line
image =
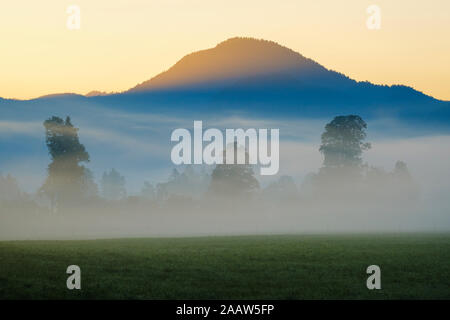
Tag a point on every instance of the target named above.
point(70, 183)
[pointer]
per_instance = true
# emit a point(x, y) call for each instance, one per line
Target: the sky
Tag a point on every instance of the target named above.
point(121, 43)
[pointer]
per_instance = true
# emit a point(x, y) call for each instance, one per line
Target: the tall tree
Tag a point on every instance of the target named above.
point(66, 176)
point(343, 142)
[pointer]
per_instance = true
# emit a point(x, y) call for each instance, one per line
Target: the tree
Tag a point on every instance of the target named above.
point(233, 179)
point(342, 145)
point(189, 183)
point(343, 142)
point(66, 178)
point(401, 171)
point(113, 185)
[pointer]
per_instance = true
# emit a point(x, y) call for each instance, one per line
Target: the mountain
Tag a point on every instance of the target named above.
point(257, 76)
point(261, 78)
point(239, 83)
point(237, 59)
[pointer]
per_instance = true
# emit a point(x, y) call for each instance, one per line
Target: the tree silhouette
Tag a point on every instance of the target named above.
point(401, 171)
point(343, 141)
point(65, 183)
point(342, 145)
point(189, 183)
point(233, 179)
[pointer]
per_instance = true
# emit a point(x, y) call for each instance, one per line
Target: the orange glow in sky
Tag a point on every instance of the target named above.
point(121, 43)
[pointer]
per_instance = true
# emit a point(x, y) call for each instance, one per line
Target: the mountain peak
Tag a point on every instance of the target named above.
point(247, 68)
point(249, 42)
point(234, 58)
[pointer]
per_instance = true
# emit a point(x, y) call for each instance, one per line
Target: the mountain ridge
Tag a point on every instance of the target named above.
point(244, 61)
point(235, 54)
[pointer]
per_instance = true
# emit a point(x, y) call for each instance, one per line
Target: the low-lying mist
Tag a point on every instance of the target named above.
point(401, 185)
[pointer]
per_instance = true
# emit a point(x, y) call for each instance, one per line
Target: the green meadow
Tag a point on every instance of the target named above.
point(413, 266)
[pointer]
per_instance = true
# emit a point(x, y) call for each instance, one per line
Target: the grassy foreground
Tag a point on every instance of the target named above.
point(413, 266)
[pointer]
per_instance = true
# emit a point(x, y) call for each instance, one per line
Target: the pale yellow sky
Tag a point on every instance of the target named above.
point(124, 42)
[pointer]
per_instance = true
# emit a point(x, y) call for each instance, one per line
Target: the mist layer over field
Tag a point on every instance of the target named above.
point(297, 199)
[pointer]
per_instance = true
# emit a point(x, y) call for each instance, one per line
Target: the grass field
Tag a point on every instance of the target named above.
point(413, 266)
